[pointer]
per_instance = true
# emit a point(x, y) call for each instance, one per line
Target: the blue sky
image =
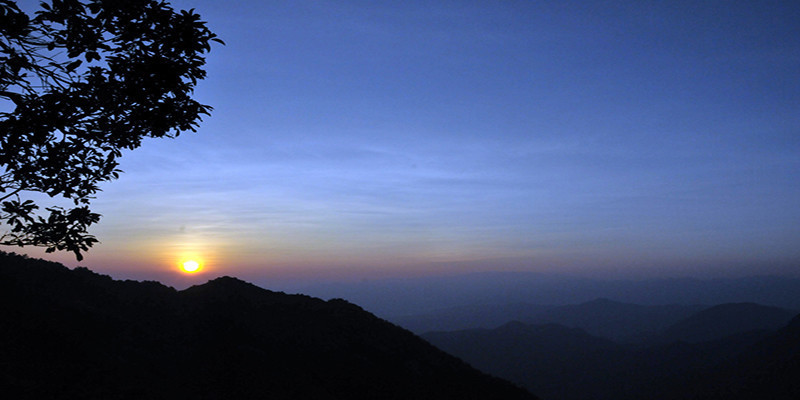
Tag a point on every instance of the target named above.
point(362, 139)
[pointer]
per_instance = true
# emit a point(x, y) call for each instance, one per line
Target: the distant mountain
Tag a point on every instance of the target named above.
point(561, 363)
point(616, 320)
point(768, 370)
point(469, 317)
point(726, 319)
point(599, 317)
point(426, 295)
point(556, 361)
point(76, 334)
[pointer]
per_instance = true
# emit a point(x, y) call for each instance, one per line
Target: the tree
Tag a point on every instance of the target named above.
point(81, 81)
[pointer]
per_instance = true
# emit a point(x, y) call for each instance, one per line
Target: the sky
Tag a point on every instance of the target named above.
point(369, 139)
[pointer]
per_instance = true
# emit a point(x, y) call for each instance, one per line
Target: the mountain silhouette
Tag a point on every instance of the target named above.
point(768, 370)
point(562, 363)
point(726, 319)
point(559, 362)
point(469, 317)
point(616, 320)
point(600, 317)
point(79, 335)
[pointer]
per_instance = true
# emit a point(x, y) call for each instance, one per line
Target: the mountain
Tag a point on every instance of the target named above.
point(556, 361)
point(726, 319)
point(600, 317)
point(76, 334)
point(469, 317)
point(562, 363)
point(768, 370)
point(616, 320)
point(424, 295)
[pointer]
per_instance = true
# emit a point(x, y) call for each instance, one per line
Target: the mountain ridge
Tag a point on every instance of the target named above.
point(428, 294)
point(77, 334)
point(563, 363)
point(727, 319)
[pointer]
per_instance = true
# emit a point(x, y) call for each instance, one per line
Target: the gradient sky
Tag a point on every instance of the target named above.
point(358, 139)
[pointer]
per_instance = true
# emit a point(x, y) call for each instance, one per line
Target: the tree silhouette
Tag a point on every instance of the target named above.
point(81, 81)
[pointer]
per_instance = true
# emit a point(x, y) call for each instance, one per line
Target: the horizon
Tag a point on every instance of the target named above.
point(423, 297)
point(288, 277)
point(360, 141)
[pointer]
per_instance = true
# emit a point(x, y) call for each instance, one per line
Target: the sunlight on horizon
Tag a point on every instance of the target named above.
point(491, 137)
point(190, 266)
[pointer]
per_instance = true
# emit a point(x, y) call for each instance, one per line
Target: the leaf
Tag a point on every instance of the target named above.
point(73, 65)
point(92, 55)
point(69, 125)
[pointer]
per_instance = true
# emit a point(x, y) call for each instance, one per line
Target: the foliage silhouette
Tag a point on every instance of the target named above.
point(80, 82)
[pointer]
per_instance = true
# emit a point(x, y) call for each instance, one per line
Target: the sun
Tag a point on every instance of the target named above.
point(190, 266)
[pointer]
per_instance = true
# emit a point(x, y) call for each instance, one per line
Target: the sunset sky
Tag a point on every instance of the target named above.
point(362, 139)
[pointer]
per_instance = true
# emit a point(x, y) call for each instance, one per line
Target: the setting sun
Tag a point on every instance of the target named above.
point(190, 266)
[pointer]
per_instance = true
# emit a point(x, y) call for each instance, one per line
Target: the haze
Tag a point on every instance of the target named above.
point(366, 140)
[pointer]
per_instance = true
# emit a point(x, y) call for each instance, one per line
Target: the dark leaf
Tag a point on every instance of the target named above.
point(69, 124)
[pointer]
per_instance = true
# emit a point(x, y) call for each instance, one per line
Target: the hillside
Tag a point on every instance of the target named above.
point(76, 334)
point(430, 294)
point(599, 317)
point(469, 317)
point(727, 319)
point(768, 370)
point(615, 320)
point(561, 363)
